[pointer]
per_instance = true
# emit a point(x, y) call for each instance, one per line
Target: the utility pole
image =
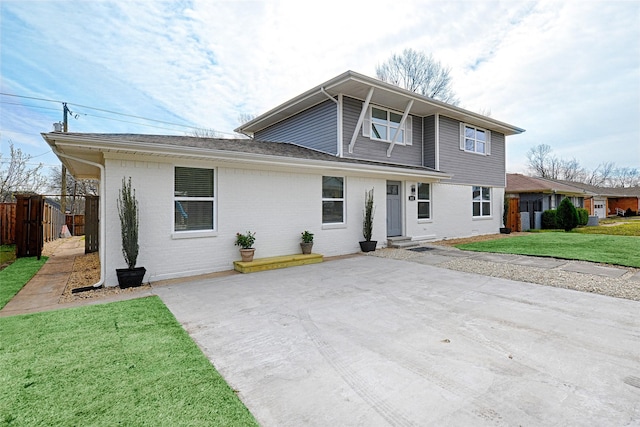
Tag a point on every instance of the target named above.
point(63, 198)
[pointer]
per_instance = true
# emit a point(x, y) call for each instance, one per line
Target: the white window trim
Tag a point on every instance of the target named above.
point(187, 234)
point(329, 225)
point(463, 146)
point(407, 127)
point(419, 200)
point(490, 216)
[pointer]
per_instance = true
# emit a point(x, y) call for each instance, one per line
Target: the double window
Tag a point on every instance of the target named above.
point(424, 201)
point(194, 199)
point(481, 201)
point(383, 125)
point(332, 200)
point(474, 139)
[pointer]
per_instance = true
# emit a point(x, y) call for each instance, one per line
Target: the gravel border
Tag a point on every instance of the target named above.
point(624, 286)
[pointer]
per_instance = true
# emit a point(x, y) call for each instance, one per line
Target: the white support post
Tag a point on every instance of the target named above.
point(400, 126)
point(363, 113)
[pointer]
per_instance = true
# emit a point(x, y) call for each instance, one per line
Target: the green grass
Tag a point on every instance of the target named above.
point(618, 250)
point(7, 254)
point(16, 275)
point(629, 228)
point(125, 363)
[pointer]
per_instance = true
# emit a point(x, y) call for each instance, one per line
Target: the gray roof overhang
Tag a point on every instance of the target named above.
point(357, 86)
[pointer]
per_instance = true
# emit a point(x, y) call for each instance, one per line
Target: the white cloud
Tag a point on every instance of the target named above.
point(565, 71)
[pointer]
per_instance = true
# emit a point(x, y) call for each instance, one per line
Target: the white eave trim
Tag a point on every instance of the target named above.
point(195, 153)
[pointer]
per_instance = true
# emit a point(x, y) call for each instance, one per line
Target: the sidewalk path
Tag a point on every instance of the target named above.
point(44, 290)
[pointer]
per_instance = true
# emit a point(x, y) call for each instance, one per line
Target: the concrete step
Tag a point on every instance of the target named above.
point(401, 242)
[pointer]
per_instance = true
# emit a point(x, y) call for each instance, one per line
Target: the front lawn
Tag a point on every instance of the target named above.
point(618, 250)
point(628, 228)
point(16, 275)
point(124, 363)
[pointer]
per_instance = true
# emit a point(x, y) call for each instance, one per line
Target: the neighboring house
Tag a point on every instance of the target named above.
point(609, 201)
point(438, 172)
point(537, 195)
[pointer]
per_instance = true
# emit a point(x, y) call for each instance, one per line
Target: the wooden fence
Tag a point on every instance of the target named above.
point(513, 215)
point(52, 222)
point(7, 223)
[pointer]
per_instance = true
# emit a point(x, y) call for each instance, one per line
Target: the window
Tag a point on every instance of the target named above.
point(194, 199)
point(481, 201)
point(332, 200)
point(424, 201)
point(475, 140)
point(382, 125)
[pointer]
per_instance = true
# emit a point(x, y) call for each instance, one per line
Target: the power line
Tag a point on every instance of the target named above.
point(115, 112)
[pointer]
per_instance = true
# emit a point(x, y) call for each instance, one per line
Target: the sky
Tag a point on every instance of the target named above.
point(566, 71)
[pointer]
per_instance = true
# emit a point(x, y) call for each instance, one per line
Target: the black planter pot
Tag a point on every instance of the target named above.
point(129, 278)
point(368, 246)
point(505, 230)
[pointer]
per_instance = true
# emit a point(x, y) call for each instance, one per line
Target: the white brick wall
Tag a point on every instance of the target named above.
point(451, 213)
point(276, 204)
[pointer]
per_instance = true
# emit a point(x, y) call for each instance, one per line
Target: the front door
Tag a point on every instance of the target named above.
point(394, 209)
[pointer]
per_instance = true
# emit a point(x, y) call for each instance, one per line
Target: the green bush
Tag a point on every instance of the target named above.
point(583, 216)
point(549, 220)
point(567, 216)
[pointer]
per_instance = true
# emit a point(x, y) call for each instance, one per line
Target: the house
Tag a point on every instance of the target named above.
point(606, 201)
point(438, 172)
point(537, 195)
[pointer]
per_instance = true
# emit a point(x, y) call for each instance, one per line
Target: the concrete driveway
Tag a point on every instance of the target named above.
point(373, 342)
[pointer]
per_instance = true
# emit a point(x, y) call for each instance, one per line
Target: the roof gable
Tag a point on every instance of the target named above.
point(357, 86)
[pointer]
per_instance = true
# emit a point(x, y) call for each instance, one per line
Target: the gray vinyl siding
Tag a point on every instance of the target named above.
point(368, 149)
point(471, 168)
point(429, 126)
point(316, 127)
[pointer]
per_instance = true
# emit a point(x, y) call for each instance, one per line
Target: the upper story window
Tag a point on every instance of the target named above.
point(481, 201)
point(332, 200)
point(424, 200)
point(383, 125)
point(194, 199)
point(475, 139)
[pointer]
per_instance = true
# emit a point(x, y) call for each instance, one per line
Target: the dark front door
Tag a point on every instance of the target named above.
point(394, 209)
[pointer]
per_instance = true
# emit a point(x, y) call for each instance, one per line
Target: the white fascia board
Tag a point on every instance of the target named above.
point(141, 148)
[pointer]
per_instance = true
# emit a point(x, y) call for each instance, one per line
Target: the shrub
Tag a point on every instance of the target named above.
point(629, 212)
point(583, 216)
point(549, 219)
point(245, 241)
point(567, 216)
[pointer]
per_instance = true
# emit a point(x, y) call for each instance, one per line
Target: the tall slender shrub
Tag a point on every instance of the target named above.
point(567, 215)
point(129, 222)
point(367, 222)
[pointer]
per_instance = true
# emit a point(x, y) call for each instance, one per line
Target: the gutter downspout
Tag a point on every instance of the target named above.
point(103, 213)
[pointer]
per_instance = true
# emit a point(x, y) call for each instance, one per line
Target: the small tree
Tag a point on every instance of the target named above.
point(567, 215)
point(129, 222)
point(367, 223)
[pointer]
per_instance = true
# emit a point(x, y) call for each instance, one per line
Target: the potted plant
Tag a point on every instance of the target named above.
point(129, 221)
point(368, 245)
point(246, 241)
point(307, 242)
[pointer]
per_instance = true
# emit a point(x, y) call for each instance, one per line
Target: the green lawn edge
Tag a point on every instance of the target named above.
point(122, 363)
point(15, 276)
point(606, 249)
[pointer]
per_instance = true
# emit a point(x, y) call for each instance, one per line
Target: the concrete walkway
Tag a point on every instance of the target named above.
point(370, 341)
point(44, 290)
